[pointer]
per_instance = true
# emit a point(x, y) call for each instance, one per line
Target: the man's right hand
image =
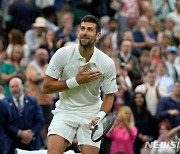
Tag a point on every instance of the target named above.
point(85, 76)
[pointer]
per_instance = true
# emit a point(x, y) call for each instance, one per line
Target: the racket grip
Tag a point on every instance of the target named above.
point(101, 114)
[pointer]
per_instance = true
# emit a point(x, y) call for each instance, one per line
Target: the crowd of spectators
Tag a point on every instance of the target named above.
point(141, 36)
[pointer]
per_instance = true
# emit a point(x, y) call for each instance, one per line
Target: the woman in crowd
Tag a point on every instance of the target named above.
point(164, 139)
point(143, 121)
point(12, 67)
point(123, 133)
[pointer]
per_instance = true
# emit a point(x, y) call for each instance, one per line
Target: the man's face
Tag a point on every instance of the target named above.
point(16, 88)
point(176, 89)
point(151, 78)
point(126, 47)
point(88, 34)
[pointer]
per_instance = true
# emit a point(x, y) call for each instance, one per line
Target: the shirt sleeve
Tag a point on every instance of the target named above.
point(56, 64)
point(109, 81)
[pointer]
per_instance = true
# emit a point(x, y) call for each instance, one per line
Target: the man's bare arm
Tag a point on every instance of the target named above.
point(52, 85)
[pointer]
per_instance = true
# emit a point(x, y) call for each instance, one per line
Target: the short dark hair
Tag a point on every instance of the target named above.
point(92, 19)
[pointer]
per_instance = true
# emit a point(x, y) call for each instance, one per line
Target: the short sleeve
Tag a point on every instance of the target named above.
point(109, 81)
point(56, 64)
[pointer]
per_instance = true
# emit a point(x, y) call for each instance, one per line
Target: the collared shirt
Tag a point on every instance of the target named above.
point(66, 63)
point(21, 100)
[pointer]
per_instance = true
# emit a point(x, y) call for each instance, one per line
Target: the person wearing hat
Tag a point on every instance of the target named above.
point(35, 36)
point(170, 58)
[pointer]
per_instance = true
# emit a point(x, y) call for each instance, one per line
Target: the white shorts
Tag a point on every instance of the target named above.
point(67, 124)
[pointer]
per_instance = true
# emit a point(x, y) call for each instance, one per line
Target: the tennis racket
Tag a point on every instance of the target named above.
point(102, 127)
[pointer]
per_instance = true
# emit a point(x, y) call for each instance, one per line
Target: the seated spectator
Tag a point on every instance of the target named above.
point(16, 37)
point(144, 121)
point(67, 32)
point(123, 133)
point(27, 119)
point(155, 55)
point(128, 35)
point(143, 38)
point(131, 64)
point(50, 43)
point(164, 137)
point(12, 67)
point(151, 91)
point(175, 16)
point(162, 77)
point(169, 107)
point(144, 61)
point(105, 45)
point(34, 37)
point(5, 117)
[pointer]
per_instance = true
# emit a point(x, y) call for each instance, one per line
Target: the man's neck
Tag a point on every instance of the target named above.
point(86, 52)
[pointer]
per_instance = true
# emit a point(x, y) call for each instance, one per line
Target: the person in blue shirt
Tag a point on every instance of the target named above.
point(169, 107)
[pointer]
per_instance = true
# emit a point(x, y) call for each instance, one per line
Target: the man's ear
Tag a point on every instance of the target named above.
point(98, 35)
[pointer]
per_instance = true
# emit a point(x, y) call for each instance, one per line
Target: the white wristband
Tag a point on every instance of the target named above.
point(101, 114)
point(71, 83)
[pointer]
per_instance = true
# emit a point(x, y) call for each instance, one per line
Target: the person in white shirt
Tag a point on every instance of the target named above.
point(175, 15)
point(78, 72)
point(152, 91)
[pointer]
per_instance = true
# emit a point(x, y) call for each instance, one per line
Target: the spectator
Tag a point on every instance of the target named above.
point(67, 32)
point(169, 107)
point(167, 31)
point(50, 43)
point(106, 46)
point(175, 16)
point(162, 77)
point(164, 41)
point(144, 61)
point(143, 38)
point(34, 37)
point(164, 137)
point(131, 64)
point(16, 37)
point(123, 133)
point(113, 32)
point(151, 91)
point(128, 35)
point(35, 76)
point(27, 118)
point(5, 117)
point(20, 16)
point(12, 67)
point(144, 121)
point(155, 55)
point(171, 69)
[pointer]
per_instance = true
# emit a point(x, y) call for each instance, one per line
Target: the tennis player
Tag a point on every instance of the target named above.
point(78, 72)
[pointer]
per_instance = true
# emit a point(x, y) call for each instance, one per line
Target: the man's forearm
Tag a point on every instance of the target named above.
point(55, 86)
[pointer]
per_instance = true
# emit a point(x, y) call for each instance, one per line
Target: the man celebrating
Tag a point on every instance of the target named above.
point(78, 72)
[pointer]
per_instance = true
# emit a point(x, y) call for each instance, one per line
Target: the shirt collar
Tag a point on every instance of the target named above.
point(93, 57)
point(21, 98)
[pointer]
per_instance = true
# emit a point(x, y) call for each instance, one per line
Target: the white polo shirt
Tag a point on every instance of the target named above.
point(66, 63)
